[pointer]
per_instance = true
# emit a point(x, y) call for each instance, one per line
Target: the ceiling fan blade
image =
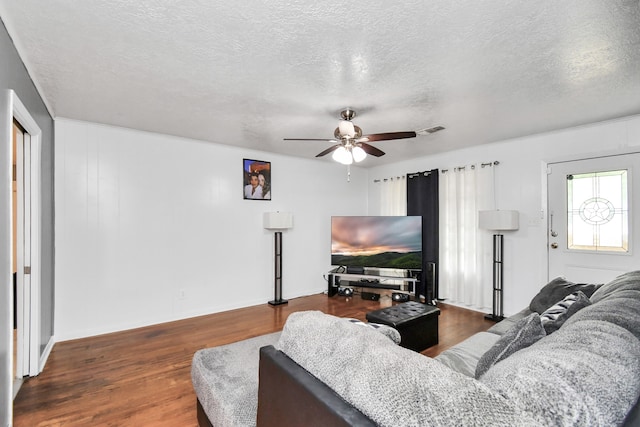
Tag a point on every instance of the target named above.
point(329, 150)
point(387, 136)
point(310, 139)
point(370, 149)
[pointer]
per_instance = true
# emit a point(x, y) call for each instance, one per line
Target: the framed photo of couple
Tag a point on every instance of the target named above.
point(256, 179)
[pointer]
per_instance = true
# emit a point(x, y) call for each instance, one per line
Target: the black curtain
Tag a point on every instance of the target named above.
point(422, 200)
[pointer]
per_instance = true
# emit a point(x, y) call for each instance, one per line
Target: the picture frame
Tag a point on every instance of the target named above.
point(256, 179)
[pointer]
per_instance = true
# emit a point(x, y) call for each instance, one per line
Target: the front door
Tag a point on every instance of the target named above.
point(591, 204)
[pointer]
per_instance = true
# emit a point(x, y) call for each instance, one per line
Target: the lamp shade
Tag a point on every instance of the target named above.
point(498, 220)
point(358, 154)
point(277, 220)
point(342, 155)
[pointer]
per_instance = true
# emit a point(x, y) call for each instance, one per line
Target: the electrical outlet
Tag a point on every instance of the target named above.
point(182, 294)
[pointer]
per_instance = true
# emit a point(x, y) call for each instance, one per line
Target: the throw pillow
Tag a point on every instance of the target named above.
point(524, 333)
point(557, 314)
point(555, 291)
point(385, 330)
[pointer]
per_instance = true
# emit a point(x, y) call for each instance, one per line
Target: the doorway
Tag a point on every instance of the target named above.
point(25, 244)
point(591, 235)
point(17, 355)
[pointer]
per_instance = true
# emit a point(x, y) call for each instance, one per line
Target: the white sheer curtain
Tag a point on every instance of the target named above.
point(465, 276)
point(393, 196)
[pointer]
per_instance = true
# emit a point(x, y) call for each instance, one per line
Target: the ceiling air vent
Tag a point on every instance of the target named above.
point(430, 130)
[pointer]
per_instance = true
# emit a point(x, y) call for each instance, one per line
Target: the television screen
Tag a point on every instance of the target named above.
point(377, 241)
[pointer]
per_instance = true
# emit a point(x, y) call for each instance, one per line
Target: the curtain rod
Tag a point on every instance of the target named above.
point(425, 173)
point(482, 165)
point(495, 163)
point(388, 179)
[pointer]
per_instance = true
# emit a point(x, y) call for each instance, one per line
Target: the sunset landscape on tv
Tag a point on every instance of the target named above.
point(377, 241)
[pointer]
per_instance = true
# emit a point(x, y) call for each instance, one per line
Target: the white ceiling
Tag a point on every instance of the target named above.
point(252, 73)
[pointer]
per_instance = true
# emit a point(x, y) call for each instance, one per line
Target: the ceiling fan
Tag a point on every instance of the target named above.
point(352, 146)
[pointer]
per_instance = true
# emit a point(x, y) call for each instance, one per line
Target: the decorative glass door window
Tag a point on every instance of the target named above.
point(597, 211)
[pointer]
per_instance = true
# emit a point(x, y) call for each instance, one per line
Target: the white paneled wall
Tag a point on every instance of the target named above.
point(152, 228)
point(521, 186)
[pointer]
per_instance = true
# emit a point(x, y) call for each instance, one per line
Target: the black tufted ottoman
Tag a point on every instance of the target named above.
point(416, 322)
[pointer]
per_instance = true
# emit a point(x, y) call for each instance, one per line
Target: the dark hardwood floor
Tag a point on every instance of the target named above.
point(142, 377)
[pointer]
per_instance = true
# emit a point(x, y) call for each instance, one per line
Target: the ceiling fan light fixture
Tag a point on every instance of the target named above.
point(351, 145)
point(358, 154)
point(347, 129)
point(342, 155)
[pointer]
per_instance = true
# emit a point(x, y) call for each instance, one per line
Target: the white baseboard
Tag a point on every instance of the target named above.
point(17, 383)
point(45, 354)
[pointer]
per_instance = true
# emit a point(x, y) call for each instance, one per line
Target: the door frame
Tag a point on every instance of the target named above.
point(29, 312)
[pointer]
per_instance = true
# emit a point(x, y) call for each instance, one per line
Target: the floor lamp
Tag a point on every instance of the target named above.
point(278, 221)
point(497, 221)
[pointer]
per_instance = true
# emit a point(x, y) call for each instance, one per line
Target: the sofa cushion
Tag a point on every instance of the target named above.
point(621, 309)
point(555, 316)
point(523, 334)
point(225, 379)
point(390, 384)
point(555, 291)
point(585, 374)
point(616, 302)
point(385, 330)
point(464, 357)
point(625, 282)
point(504, 325)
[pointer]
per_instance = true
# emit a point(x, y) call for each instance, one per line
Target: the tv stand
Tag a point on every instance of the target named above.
point(337, 280)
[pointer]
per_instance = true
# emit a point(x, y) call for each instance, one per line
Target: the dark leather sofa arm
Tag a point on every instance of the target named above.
point(633, 417)
point(288, 395)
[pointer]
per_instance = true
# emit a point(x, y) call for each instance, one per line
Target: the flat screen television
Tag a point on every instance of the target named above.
point(377, 242)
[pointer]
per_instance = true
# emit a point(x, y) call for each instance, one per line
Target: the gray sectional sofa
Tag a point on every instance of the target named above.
point(571, 361)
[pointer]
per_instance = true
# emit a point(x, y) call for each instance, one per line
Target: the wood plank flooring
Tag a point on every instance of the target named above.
point(142, 377)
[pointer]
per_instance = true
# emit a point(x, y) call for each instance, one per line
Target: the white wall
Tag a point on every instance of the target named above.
point(152, 228)
point(521, 185)
point(142, 218)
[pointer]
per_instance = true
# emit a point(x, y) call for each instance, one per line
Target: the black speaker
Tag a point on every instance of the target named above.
point(333, 284)
point(346, 292)
point(355, 270)
point(431, 283)
point(399, 297)
point(370, 296)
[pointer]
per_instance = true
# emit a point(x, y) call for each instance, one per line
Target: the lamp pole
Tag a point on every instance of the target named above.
point(497, 314)
point(498, 221)
point(277, 221)
point(277, 298)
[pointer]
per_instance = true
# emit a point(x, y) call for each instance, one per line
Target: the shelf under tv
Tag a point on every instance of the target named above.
point(369, 281)
point(373, 285)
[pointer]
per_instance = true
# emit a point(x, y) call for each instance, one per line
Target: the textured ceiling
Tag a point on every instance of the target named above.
point(252, 73)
